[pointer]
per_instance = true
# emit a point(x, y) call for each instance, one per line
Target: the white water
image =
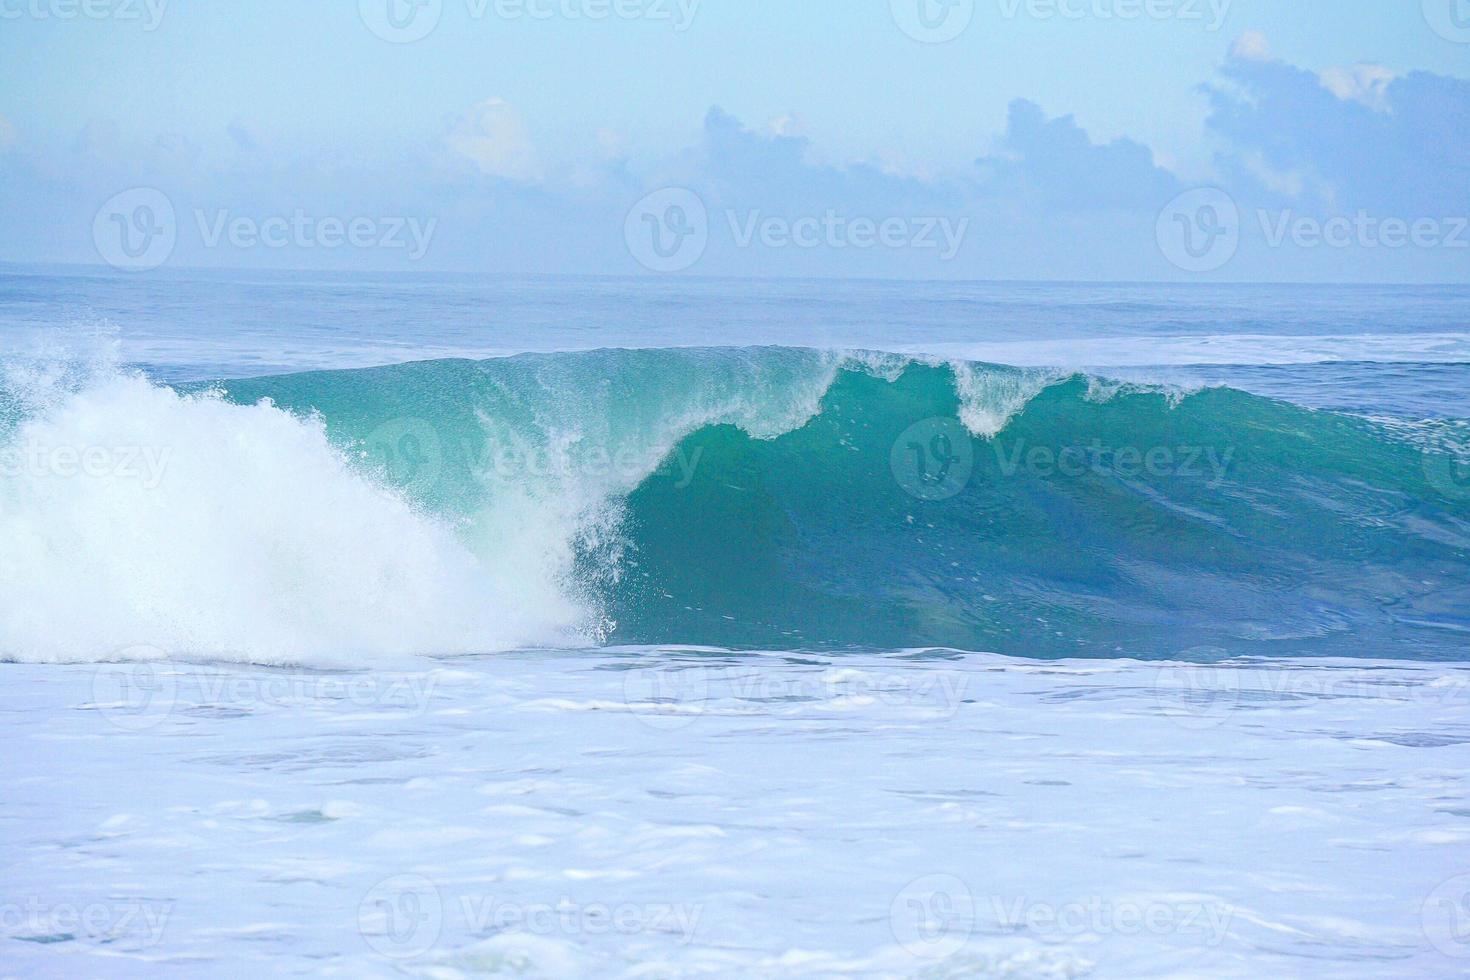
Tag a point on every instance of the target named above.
point(678, 813)
point(137, 522)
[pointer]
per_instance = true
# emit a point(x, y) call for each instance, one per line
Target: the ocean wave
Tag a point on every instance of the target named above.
point(736, 497)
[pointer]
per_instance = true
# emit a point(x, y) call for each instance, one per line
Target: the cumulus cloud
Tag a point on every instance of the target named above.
point(1367, 84)
point(1360, 138)
point(1056, 162)
point(773, 170)
point(1252, 46)
point(493, 137)
point(1048, 199)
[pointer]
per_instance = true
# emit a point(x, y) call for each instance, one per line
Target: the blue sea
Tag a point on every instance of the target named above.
point(443, 626)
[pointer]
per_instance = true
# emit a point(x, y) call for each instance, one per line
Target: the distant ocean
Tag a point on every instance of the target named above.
point(405, 595)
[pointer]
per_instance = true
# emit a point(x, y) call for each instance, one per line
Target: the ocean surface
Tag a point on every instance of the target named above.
point(436, 626)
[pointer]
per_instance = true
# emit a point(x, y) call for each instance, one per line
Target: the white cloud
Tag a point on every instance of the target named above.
point(791, 124)
point(1367, 84)
point(7, 134)
point(1253, 45)
point(612, 144)
point(492, 135)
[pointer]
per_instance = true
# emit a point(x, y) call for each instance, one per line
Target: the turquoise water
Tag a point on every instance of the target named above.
point(1093, 521)
point(455, 628)
point(1287, 479)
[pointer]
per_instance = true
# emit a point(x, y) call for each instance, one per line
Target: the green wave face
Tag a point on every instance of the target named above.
point(788, 499)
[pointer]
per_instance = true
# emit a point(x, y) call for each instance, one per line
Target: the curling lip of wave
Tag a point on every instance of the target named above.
point(352, 516)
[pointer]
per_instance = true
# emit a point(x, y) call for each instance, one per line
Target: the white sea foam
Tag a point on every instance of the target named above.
point(216, 530)
point(136, 521)
point(1082, 353)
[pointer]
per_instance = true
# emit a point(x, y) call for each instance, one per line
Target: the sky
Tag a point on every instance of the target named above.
point(1218, 140)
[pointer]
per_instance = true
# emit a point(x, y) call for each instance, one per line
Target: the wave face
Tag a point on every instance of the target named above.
point(742, 498)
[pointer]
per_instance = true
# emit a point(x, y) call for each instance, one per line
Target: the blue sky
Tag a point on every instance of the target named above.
point(1050, 137)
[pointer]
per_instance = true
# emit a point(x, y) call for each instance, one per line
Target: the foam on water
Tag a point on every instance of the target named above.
point(567, 499)
point(206, 528)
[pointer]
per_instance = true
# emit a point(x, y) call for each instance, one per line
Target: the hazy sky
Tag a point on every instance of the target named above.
point(1023, 138)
